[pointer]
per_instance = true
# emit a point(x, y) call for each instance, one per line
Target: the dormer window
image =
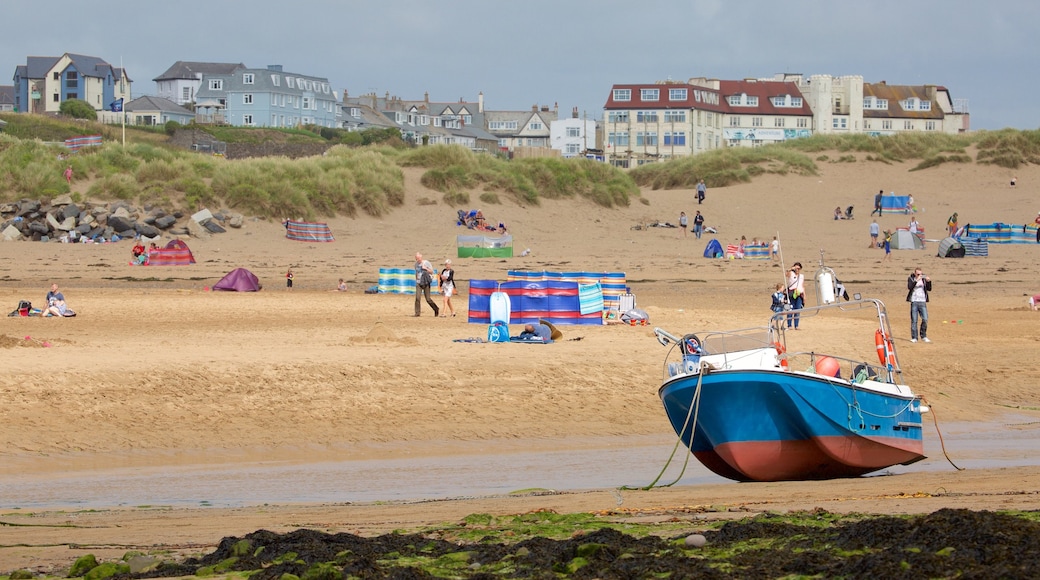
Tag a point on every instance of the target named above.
point(216, 84)
point(650, 94)
point(247, 78)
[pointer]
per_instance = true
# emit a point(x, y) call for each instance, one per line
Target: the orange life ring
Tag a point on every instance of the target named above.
point(780, 350)
point(885, 351)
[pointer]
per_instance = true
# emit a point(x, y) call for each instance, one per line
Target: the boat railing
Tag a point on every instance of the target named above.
point(852, 370)
point(721, 349)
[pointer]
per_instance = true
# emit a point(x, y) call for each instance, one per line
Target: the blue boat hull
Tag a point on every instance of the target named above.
point(775, 425)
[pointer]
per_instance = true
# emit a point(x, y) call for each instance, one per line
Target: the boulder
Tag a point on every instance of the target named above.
point(165, 222)
point(202, 215)
point(62, 200)
point(9, 208)
point(11, 233)
point(180, 231)
point(38, 228)
point(67, 224)
point(27, 206)
point(196, 230)
point(235, 220)
point(84, 229)
point(120, 223)
point(121, 212)
point(147, 230)
point(70, 211)
point(95, 232)
point(213, 227)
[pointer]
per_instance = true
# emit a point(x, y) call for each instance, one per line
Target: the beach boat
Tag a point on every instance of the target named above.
point(749, 410)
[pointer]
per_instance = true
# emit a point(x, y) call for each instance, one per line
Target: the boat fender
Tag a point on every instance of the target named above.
point(780, 351)
point(885, 351)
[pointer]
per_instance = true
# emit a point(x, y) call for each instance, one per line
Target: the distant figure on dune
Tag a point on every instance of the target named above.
point(68, 175)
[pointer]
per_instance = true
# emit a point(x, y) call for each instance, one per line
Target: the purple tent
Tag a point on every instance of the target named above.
point(238, 280)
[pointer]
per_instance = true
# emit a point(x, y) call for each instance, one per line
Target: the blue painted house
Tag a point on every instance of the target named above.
point(270, 97)
point(43, 83)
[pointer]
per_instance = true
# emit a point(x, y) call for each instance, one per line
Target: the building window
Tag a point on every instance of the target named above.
point(57, 76)
point(677, 94)
point(308, 103)
point(247, 119)
point(276, 80)
point(535, 126)
point(646, 116)
point(646, 138)
point(675, 138)
point(572, 149)
point(802, 123)
point(290, 82)
point(618, 139)
point(186, 93)
point(840, 123)
point(924, 105)
point(617, 117)
point(734, 121)
point(247, 99)
point(908, 125)
point(55, 98)
point(503, 125)
point(73, 95)
point(675, 116)
point(649, 94)
point(247, 78)
point(622, 94)
point(929, 125)
point(216, 84)
point(886, 124)
point(574, 131)
point(756, 121)
point(779, 122)
point(796, 102)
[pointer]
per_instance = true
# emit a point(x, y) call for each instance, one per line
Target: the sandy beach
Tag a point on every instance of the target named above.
point(156, 374)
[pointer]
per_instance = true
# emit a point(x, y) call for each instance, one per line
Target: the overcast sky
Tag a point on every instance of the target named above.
point(526, 52)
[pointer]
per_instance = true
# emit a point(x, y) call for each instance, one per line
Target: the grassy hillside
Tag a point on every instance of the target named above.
point(352, 180)
point(1007, 148)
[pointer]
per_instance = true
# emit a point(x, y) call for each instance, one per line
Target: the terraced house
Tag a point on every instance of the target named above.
point(43, 83)
point(647, 122)
point(270, 97)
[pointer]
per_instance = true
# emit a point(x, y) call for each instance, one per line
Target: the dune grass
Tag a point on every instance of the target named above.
point(350, 180)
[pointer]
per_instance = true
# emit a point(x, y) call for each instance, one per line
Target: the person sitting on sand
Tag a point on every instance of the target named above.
point(140, 257)
point(342, 286)
point(837, 213)
point(55, 303)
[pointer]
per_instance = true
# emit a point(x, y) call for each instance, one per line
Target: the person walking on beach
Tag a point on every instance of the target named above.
point(918, 286)
point(795, 294)
point(683, 222)
point(698, 224)
point(423, 281)
point(888, 246)
point(774, 249)
point(701, 191)
point(877, 202)
point(447, 288)
point(875, 229)
point(288, 279)
point(68, 175)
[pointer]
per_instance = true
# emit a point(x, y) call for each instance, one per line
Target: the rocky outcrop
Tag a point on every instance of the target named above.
point(61, 219)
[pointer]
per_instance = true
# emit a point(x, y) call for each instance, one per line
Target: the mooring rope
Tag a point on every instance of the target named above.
point(693, 412)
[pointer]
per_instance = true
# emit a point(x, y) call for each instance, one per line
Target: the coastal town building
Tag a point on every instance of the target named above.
point(270, 97)
point(6, 98)
point(647, 122)
point(575, 136)
point(150, 111)
point(519, 132)
point(425, 122)
point(180, 83)
point(43, 83)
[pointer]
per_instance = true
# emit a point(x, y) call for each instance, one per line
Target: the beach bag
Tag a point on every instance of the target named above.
point(498, 332)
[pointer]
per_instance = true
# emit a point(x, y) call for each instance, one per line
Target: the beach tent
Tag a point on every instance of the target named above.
point(238, 280)
point(176, 253)
point(894, 203)
point(903, 240)
point(308, 231)
point(713, 249)
point(485, 246)
point(951, 248)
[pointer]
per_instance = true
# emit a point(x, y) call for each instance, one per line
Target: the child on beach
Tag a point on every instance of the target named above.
point(779, 297)
point(288, 279)
point(888, 246)
point(683, 222)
